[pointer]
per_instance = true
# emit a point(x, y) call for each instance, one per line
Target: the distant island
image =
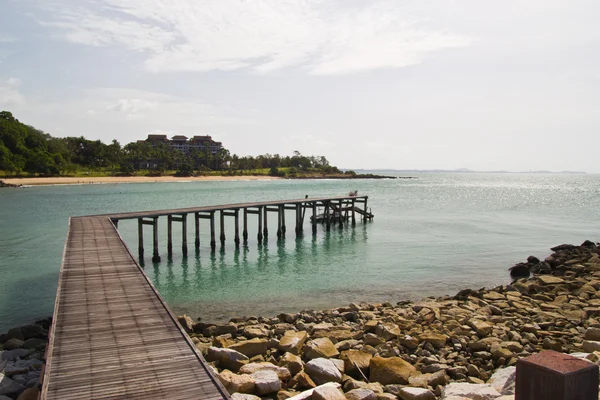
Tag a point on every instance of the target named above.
point(462, 170)
point(27, 152)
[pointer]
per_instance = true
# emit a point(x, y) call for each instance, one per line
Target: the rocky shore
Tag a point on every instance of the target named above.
point(451, 348)
point(8, 185)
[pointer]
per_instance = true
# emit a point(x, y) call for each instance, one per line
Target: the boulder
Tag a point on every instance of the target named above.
point(355, 360)
point(34, 343)
point(361, 394)
point(9, 355)
point(29, 394)
point(33, 331)
point(550, 279)
point(255, 331)
point(13, 344)
point(236, 383)
point(252, 347)
point(481, 327)
point(592, 334)
point(308, 393)
point(227, 358)
point(323, 370)
point(15, 333)
point(9, 387)
point(503, 380)
point(437, 340)
point(292, 362)
point(282, 373)
point(390, 370)
point(320, 348)
point(266, 382)
point(244, 396)
point(302, 381)
point(479, 391)
point(590, 346)
point(186, 322)
point(411, 393)
point(387, 331)
point(293, 341)
point(327, 393)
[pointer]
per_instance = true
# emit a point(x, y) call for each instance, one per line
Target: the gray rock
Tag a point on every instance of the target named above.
point(327, 393)
point(9, 387)
point(11, 355)
point(361, 394)
point(266, 382)
point(13, 344)
point(411, 393)
point(503, 380)
point(476, 391)
point(227, 358)
point(323, 370)
point(241, 396)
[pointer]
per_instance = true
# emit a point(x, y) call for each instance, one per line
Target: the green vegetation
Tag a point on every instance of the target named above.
point(25, 149)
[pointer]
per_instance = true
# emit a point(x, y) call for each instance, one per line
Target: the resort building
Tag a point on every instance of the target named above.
point(181, 143)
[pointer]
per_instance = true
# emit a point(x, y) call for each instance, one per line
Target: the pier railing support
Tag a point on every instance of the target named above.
point(184, 248)
point(169, 236)
point(237, 228)
point(280, 210)
point(155, 255)
point(141, 239)
point(197, 230)
point(222, 227)
point(314, 218)
point(245, 230)
point(213, 242)
point(259, 236)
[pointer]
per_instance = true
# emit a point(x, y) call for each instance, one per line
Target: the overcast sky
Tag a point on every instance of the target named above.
point(423, 84)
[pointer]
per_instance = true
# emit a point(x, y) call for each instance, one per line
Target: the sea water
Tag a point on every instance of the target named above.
point(431, 236)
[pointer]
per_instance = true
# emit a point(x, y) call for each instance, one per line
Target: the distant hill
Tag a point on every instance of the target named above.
point(458, 170)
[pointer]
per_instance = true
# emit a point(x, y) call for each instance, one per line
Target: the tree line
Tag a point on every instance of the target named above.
point(24, 148)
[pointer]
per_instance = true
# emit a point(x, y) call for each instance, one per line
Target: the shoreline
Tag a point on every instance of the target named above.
point(37, 181)
point(436, 347)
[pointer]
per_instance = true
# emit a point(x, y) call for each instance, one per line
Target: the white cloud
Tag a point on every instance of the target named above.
point(7, 39)
point(323, 37)
point(10, 94)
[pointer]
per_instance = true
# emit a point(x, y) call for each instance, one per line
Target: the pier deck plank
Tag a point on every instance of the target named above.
point(113, 336)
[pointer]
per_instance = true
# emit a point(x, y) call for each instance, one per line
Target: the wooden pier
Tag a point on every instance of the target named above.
point(113, 336)
point(336, 210)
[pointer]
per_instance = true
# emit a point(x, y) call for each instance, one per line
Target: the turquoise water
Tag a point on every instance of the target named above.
point(431, 236)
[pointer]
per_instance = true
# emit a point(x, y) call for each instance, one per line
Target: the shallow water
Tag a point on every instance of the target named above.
point(431, 236)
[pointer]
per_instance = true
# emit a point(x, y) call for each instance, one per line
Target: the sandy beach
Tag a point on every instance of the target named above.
point(128, 179)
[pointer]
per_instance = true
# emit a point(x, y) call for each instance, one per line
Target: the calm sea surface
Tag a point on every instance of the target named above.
point(431, 236)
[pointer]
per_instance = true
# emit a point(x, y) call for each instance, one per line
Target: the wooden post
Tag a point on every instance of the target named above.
point(365, 210)
point(197, 230)
point(116, 223)
point(245, 230)
point(169, 236)
point(184, 248)
point(314, 218)
point(341, 215)
point(298, 216)
point(141, 240)
point(222, 227)
point(155, 255)
point(266, 225)
point(353, 213)
point(260, 226)
point(237, 228)
point(213, 242)
point(283, 221)
point(279, 211)
point(327, 219)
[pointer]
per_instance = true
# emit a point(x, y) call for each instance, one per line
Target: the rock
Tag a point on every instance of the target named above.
point(34, 343)
point(385, 396)
point(293, 341)
point(390, 370)
point(320, 348)
point(387, 331)
point(323, 370)
point(438, 340)
point(255, 331)
point(470, 391)
point(590, 346)
point(252, 347)
point(308, 393)
point(439, 378)
point(13, 344)
point(8, 386)
point(302, 381)
point(236, 383)
point(355, 360)
point(292, 362)
point(29, 394)
point(411, 393)
point(227, 358)
point(361, 394)
point(186, 323)
point(481, 327)
point(502, 353)
point(33, 331)
point(550, 280)
point(243, 396)
point(13, 354)
point(287, 318)
point(266, 382)
point(282, 373)
point(503, 380)
point(15, 333)
point(592, 334)
point(327, 393)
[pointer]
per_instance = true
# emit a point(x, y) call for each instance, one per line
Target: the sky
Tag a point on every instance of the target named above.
point(388, 84)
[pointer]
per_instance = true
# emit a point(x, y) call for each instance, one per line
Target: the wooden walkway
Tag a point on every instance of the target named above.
point(113, 337)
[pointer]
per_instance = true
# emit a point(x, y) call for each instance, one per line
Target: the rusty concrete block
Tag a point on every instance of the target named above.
point(551, 375)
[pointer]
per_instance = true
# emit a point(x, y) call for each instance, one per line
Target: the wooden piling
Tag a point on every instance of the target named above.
point(298, 216)
point(184, 248)
point(169, 236)
point(115, 223)
point(237, 228)
point(155, 255)
point(327, 216)
point(213, 242)
point(245, 230)
point(266, 225)
point(283, 221)
point(314, 218)
point(259, 236)
point(222, 227)
point(197, 230)
point(141, 239)
point(353, 213)
point(341, 222)
point(365, 211)
point(279, 212)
